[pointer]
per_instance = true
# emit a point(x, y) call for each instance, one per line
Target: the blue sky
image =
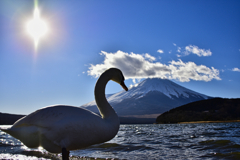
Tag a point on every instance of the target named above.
point(194, 43)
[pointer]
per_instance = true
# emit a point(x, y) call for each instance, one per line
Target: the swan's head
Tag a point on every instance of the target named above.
point(117, 76)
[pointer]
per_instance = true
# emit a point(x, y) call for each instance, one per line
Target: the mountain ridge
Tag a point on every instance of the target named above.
point(9, 119)
point(210, 110)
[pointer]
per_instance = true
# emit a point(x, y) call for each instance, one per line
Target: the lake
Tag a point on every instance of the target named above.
point(147, 142)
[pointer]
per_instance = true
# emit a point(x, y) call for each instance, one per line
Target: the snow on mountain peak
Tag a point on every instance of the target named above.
point(164, 86)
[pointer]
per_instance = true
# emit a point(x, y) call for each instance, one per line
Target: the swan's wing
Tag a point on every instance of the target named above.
point(50, 116)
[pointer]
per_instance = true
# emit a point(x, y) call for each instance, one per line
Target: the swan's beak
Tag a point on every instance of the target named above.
point(124, 86)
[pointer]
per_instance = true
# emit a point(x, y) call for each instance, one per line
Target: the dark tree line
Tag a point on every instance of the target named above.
point(216, 109)
point(9, 119)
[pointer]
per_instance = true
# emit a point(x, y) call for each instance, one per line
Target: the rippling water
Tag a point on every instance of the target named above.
point(141, 142)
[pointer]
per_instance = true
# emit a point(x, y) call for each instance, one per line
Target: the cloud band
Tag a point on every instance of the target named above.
point(137, 66)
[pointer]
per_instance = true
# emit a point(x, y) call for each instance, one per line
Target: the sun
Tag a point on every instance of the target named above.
point(37, 28)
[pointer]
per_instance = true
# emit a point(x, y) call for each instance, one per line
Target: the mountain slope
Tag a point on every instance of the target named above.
point(9, 119)
point(151, 96)
point(216, 109)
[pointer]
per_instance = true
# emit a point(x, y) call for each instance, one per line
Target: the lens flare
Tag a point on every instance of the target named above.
point(37, 27)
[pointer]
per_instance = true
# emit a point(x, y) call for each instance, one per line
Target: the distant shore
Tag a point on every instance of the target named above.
point(210, 121)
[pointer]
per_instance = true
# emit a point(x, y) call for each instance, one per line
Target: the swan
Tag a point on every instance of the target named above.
point(62, 128)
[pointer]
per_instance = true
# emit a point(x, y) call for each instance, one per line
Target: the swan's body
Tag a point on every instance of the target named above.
point(66, 127)
point(59, 127)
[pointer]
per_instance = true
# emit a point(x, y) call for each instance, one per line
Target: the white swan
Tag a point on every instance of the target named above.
point(63, 128)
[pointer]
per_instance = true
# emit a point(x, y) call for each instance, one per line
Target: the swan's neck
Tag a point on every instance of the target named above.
point(104, 107)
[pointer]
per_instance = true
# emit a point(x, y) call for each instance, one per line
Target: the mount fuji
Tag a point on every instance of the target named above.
point(149, 98)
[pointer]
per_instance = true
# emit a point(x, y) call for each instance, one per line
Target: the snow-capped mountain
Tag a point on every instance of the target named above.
point(149, 97)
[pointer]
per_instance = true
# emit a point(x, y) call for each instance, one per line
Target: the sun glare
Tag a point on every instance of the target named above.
point(37, 27)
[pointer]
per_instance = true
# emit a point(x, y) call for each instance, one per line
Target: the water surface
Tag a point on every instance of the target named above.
point(154, 141)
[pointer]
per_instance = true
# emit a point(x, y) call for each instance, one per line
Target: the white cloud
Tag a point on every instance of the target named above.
point(136, 66)
point(192, 49)
point(186, 71)
point(195, 50)
point(148, 56)
point(160, 51)
point(236, 69)
point(179, 49)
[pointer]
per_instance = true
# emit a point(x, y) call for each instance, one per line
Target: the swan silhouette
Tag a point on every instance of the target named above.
point(61, 128)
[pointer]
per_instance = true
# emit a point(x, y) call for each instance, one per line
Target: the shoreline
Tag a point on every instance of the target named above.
point(229, 121)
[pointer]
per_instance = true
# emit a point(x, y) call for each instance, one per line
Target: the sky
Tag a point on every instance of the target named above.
point(196, 44)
